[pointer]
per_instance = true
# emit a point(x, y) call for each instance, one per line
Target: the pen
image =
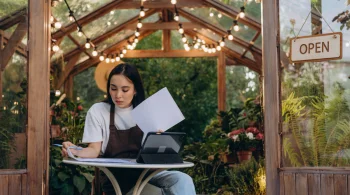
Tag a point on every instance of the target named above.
point(72, 147)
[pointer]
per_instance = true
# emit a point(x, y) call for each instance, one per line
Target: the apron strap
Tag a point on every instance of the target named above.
point(111, 117)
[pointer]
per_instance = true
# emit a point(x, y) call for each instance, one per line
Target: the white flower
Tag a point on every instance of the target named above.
point(235, 138)
point(250, 135)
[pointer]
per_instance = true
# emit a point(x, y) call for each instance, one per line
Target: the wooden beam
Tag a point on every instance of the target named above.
point(87, 19)
point(12, 43)
point(21, 48)
point(160, 4)
point(108, 34)
point(68, 87)
point(38, 95)
point(230, 61)
point(91, 62)
point(168, 54)
point(12, 19)
point(232, 12)
point(251, 43)
point(216, 29)
point(230, 53)
point(68, 68)
point(166, 36)
point(271, 94)
point(221, 79)
point(166, 26)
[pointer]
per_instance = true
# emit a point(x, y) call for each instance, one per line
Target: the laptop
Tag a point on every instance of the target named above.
point(161, 148)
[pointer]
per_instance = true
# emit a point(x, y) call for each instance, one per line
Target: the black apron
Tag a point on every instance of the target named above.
point(122, 144)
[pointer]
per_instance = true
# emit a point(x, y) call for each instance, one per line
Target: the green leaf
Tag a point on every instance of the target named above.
point(88, 176)
point(63, 176)
point(79, 182)
point(67, 189)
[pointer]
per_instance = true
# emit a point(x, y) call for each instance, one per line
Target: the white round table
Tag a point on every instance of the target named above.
point(139, 184)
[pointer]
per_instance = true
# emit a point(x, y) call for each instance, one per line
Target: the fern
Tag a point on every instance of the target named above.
point(290, 153)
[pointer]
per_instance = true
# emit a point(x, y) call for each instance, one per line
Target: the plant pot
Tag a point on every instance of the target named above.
point(244, 156)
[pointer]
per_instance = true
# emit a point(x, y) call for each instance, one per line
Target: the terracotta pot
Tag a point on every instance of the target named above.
point(244, 156)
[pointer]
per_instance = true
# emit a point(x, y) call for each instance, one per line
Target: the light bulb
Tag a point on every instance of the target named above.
point(139, 25)
point(58, 25)
point(196, 46)
point(117, 58)
point(121, 55)
point(173, 2)
point(71, 18)
point(230, 37)
point(101, 58)
point(176, 18)
point(87, 45)
point(108, 60)
point(218, 48)
point(137, 33)
point(52, 19)
point(187, 48)
point(112, 12)
point(181, 30)
point(78, 98)
point(133, 45)
point(211, 14)
point(241, 14)
point(136, 40)
point(80, 33)
point(54, 3)
point(186, 45)
point(112, 59)
point(94, 53)
point(124, 51)
point(55, 48)
point(142, 13)
point(184, 39)
point(236, 28)
point(347, 44)
point(222, 43)
point(219, 15)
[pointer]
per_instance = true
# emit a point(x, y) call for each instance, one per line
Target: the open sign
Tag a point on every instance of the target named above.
point(316, 48)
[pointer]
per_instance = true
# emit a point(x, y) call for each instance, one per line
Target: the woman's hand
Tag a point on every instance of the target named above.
point(65, 145)
point(160, 131)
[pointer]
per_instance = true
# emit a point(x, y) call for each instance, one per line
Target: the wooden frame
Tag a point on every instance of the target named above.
point(38, 96)
point(272, 94)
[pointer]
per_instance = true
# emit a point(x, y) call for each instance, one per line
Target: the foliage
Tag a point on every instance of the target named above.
point(68, 179)
point(247, 178)
point(328, 118)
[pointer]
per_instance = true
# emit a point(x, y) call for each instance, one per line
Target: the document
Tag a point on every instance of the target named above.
point(101, 160)
point(157, 112)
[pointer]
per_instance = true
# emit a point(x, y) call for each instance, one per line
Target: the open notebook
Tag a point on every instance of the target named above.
point(102, 160)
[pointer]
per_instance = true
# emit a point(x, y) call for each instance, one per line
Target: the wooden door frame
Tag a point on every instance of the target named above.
point(271, 91)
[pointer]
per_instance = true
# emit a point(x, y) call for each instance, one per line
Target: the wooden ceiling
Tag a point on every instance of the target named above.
point(166, 24)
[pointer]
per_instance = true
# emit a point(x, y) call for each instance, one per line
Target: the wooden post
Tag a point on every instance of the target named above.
point(68, 87)
point(221, 69)
point(166, 40)
point(1, 47)
point(271, 91)
point(38, 96)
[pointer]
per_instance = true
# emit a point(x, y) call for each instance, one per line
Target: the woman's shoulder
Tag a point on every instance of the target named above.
point(100, 107)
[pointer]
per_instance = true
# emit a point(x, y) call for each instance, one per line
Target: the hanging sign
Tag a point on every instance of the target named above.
point(316, 48)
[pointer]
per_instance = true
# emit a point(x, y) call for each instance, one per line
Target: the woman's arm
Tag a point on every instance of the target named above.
point(92, 151)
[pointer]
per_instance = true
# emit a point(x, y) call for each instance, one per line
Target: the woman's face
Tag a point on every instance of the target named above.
point(122, 91)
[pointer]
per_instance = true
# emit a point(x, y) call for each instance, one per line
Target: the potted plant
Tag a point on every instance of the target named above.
point(244, 141)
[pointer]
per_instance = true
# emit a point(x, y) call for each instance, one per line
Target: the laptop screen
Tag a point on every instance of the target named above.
point(166, 142)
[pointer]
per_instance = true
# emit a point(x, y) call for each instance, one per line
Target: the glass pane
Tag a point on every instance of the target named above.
point(67, 45)
point(80, 8)
point(13, 114)
point(153, 41)
point(245, 33)
point(252, 9)
point(82, 58)
point(107, 22)
point(315, 95)
point(114, 39)
point(249, 55)
point(258, 42)
point(8, 7)
point(152, 18)
point(86, 89)
point(241, 84)
point(176, 42)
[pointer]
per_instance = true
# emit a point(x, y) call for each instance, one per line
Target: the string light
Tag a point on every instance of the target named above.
point(230, 36)
point(55, 47)
point(124, 50)
point(137, 33)
point(54, 3)
point(181, 30)
point(94, 53)
point(87, 44)
point(57, 25)
point(176, 17)
point(222, 42)
point(184, 39)
point(101, 58)
point(242, 14)
point(173, 2)
point(117, 58)
point(80, 32)
point(218, 47)
point(108, 59)
point(235, 25)
point(112, 59)
point(219, 15)
point(142, 12)
point(136, 40)
point(211, 14)
point(139, 24)
point(71, 16)
point(121, 55)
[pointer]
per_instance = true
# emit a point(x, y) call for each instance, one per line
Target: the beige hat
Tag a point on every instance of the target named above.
point(102, 72)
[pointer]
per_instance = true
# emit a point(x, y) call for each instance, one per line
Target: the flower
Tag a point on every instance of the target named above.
point(244, 139)
point(80, 107)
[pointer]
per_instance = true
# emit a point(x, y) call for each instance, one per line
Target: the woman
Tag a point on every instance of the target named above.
point(112, 133)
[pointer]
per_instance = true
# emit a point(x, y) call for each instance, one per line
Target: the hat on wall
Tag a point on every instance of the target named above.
point(102, 72)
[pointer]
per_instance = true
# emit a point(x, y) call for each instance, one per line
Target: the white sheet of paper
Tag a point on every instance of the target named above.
point(157, 112)
point(103, 160)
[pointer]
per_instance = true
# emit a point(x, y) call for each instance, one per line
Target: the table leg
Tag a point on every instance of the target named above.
point(137, 185)
point(140, 188)
point(112, 179)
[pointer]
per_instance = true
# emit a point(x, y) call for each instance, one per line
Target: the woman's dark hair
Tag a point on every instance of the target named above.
point(131, 73)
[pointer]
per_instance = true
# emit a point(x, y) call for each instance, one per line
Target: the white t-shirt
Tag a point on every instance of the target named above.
point(97, 123)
